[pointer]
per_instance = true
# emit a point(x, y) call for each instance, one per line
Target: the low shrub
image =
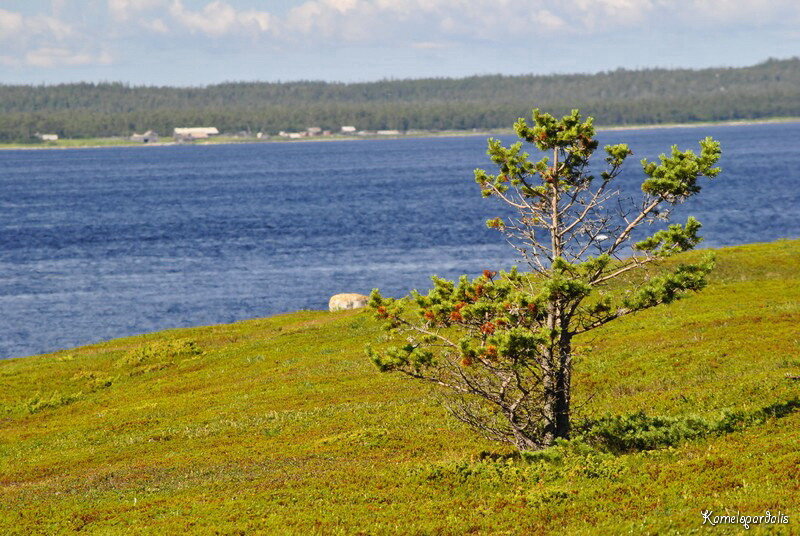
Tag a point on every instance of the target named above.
point(628, 433)
point(93, 380)
point(739, 420)
point(56, 400)
point(158, 355)
point(568, 460)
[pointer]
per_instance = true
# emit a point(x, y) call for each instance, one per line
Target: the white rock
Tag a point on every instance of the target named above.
point(339, 302)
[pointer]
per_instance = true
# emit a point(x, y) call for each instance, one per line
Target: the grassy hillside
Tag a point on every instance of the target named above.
point(281, 425)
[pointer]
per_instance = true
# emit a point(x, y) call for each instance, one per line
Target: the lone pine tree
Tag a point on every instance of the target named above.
point(501, 345)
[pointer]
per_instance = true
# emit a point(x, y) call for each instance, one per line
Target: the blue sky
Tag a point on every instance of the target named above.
point(198, 42)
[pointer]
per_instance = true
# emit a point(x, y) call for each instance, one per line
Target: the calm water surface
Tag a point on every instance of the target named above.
point(103, 243)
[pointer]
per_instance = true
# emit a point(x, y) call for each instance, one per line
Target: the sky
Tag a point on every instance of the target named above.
point(201, 42)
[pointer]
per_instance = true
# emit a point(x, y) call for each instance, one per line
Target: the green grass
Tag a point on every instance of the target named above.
point(282, 426)
point(67, 143)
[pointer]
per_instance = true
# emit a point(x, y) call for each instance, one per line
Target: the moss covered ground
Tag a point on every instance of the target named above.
point(281, 426)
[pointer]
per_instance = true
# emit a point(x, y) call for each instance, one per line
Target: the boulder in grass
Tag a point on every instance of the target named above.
point(339, 302)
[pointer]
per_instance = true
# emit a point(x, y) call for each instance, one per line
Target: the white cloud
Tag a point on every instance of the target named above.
point(745, 11)
point(549, 20)
point(214, 19)
point(63, 34)
point(307, 17)
point(256, 20)
point(48, 57)
point(156, 25)
point(406, 22)
point(45, 41)
point(431, 45)
point(604, 13)
point(343, 6)
point(15, 25)
point(52, 57)
point(49, 26)
point(122, 10)
point(218, 18)
point(10, 23)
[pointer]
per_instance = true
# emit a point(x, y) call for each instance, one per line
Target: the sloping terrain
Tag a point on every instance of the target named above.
point(281, 425)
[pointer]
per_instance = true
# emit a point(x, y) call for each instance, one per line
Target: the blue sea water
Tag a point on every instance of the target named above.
point(103, 243)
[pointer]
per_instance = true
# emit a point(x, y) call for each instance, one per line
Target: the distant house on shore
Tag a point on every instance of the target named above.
point(293, 135)
point(314, 131)
point(194, 133)
point(348, 130)
point(47, 137)
point(147, 137)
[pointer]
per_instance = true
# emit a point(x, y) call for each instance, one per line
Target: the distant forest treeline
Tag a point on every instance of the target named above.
point(769, 89)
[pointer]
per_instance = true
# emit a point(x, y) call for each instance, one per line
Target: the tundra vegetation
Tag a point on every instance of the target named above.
point(501, 345)
point(281, 426)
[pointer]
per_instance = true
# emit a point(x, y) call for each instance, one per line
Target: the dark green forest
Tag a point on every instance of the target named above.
point(647, 96)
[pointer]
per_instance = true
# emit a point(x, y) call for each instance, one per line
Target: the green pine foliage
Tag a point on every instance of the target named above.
point(639, 431)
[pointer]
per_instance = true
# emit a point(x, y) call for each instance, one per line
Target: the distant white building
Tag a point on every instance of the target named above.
point(314, 131)
point(293, 135)
point(194, 133)
point(348, 129)
point(47, 137)
point(147, 137)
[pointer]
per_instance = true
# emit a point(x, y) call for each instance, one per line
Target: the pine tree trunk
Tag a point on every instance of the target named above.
point(557, 391)
point(557, 374)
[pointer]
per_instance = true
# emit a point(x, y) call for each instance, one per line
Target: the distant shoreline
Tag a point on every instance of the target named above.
point(734, 123)
point(222, 140)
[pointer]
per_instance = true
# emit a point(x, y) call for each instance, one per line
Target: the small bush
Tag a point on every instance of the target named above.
point(739, 420)
point(102, 382)
point(94, 380)
point(628, 433)
point(548, 497)
point(56, 400)
point(158, 355)
point(485, 473)
point(566, 459)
